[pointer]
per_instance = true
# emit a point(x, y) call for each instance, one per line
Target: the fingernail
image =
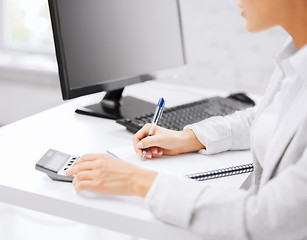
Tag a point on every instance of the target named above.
point(154, 151)
point(139, 145)
point(160, 153)
point(148, 156)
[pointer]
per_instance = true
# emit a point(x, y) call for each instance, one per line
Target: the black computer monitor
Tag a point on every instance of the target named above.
point(105, 45)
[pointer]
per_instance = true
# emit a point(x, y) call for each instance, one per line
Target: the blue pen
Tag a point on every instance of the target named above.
point(156, 117)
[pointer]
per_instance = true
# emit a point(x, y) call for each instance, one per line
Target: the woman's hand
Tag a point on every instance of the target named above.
point(165, 141)
point(107, 174)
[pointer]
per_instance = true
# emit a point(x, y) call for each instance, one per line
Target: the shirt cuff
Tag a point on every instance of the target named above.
point(214, 133)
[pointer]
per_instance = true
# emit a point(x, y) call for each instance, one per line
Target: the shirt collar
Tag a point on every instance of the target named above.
point(299, 62)
point(291, 60)
point(287, 51)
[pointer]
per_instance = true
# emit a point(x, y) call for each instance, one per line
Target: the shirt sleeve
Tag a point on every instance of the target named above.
point(231, 132)
point(277, 211)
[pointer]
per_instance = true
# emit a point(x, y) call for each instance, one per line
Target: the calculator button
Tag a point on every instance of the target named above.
point(65, 169)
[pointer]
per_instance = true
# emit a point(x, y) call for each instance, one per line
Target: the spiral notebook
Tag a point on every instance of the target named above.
point(193, 165)
point(223, 172)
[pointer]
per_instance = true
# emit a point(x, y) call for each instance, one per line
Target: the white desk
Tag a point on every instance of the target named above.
point(23, 143)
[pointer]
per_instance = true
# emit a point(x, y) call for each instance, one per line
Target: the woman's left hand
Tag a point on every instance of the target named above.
point(107, 174)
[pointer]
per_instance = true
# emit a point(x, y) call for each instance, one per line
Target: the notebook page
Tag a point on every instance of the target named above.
point(185, 163)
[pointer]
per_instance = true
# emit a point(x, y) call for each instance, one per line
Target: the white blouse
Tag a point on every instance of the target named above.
point(290, 84)
point(197, 205)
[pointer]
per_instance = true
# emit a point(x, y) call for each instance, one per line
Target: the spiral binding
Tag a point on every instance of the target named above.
point(223, 172)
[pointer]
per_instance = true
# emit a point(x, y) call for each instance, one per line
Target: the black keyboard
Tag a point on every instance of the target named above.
point(176, 118)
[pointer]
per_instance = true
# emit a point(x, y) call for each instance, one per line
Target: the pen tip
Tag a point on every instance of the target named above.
point(161, 102)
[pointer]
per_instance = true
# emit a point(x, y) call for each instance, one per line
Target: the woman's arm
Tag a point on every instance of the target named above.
point(231, 132)
point(277, 211)
point(212, 135)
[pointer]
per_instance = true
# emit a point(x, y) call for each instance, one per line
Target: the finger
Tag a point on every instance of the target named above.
point(84, 175)
point(150, 141)
point(148, 154)
point(87, 157)
point(90, 157)
point(143, 132)
point(154, 150)
point(84, 185)
point(83, 166)
point(154, 153)
point(140, 153)
point(157, 154)
point(137, 149)
point(160, 152)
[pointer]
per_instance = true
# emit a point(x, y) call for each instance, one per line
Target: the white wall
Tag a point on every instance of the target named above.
point(221, 54)
point(22, 98)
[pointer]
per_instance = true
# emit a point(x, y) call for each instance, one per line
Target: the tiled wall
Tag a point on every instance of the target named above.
point(221, 53)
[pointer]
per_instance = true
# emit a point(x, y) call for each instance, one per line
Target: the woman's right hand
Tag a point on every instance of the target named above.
point(165, 142)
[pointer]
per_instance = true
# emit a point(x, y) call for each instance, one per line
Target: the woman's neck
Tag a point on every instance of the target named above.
point(296, 25)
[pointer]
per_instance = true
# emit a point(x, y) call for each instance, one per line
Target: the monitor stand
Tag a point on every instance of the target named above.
point(115, 106)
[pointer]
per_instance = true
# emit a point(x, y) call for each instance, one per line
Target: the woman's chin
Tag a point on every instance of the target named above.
point(253, 28)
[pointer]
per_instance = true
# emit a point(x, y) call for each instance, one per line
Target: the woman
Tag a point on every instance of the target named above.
point(275, 204)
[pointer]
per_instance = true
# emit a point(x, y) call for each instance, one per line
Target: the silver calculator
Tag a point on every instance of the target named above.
point(54, 163)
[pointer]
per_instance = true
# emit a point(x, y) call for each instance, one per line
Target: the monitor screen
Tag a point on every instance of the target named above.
point(105, 45)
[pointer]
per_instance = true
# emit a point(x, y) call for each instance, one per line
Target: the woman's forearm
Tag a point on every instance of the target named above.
point(141, 182)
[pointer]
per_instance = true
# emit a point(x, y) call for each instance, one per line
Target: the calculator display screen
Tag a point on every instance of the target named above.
point(56, 162)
